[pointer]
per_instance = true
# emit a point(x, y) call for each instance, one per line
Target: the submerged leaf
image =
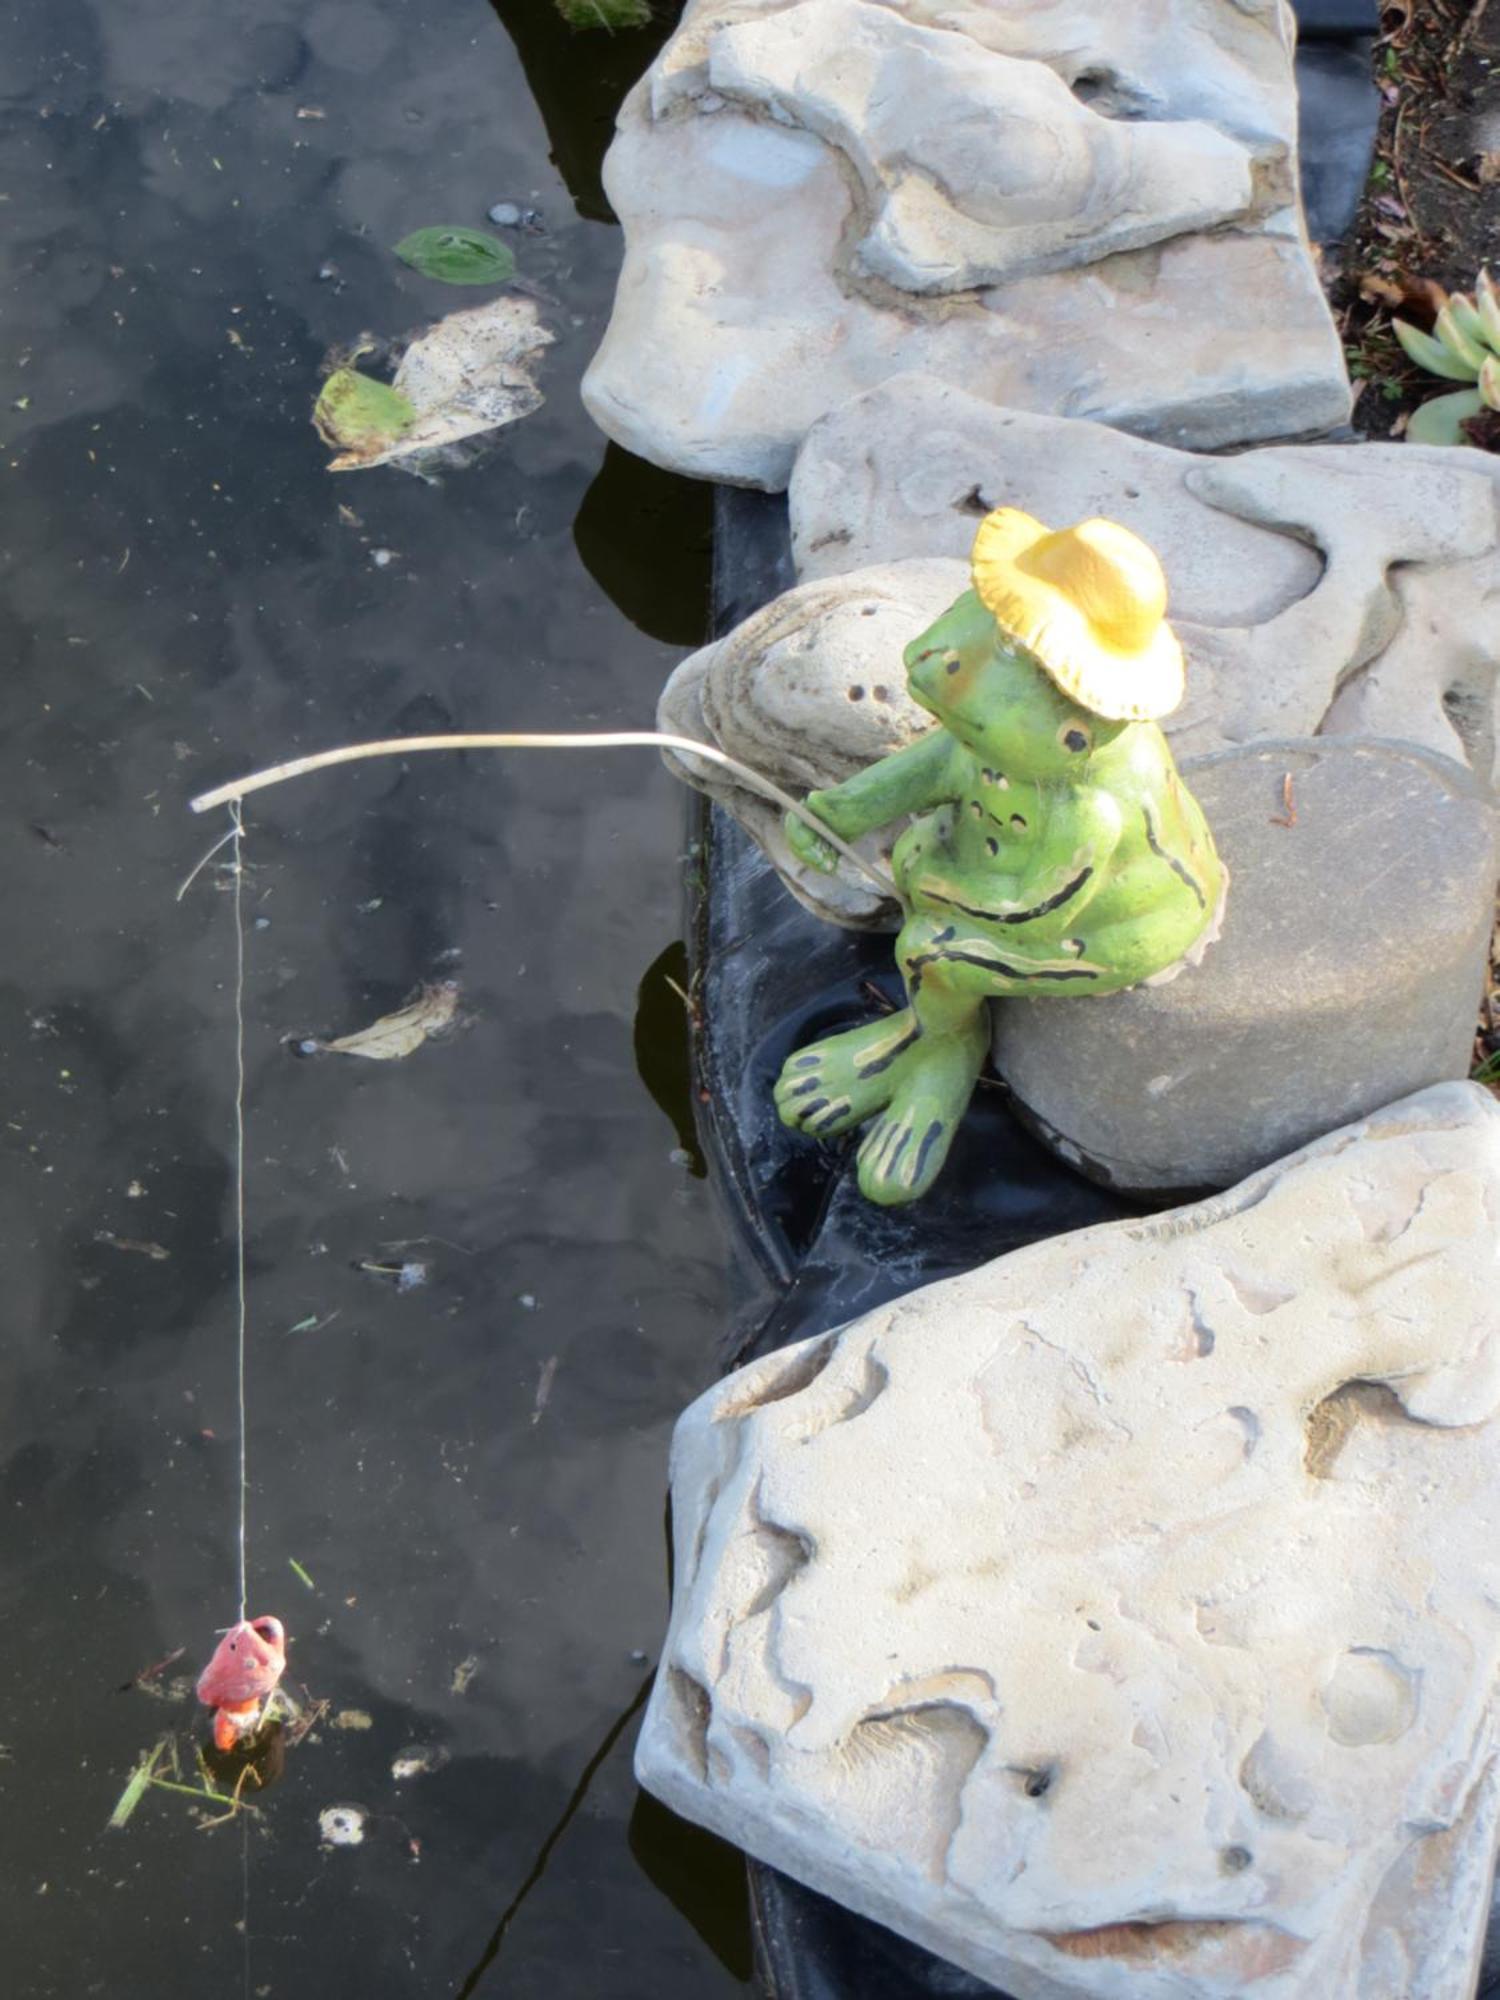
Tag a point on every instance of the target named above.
point(359, 415)
point(1441, 421)
point(457, 256)
point(396, 1035)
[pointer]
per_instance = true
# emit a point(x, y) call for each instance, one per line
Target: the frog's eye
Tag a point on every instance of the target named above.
point(1074, 738)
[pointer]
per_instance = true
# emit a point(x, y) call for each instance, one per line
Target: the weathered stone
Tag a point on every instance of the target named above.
point(1329, 591)
point(1122, 1619)
point(1348, 974)
point(1348, 589)
point(807, 691)
point(1064, 208)
point(1028, 178)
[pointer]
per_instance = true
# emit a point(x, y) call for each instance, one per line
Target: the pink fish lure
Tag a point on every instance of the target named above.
point(248, 1663)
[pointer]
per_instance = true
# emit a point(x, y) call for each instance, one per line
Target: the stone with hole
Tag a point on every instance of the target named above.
point(1123, 1618)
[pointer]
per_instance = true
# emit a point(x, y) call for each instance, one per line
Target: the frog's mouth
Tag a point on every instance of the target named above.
point(925, 673)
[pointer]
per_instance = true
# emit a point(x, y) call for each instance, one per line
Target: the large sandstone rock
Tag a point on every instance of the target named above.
point(1351, 588)
point(1064, 207)
point(1123, 1618)
point(1349, 972)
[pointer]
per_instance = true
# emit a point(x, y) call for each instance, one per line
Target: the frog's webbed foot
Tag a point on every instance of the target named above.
point(904, 1150)
point(839, 1083)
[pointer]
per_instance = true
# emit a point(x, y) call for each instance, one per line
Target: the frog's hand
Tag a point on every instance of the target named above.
point(907, 781)
point(809, 848)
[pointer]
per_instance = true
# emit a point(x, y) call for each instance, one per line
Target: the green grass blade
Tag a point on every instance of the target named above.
point(137, 1784)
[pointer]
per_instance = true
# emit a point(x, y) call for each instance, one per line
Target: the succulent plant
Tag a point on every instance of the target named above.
point(1464, 346)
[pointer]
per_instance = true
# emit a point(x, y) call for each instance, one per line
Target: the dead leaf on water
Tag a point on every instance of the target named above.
point(396, 1035)
point(463, 378)
point(133, 1244)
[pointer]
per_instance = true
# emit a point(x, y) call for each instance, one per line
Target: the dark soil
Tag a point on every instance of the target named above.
point(1431, 213)
point(1429, 223)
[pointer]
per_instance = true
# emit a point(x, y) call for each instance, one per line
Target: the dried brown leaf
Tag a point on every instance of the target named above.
point(1417, 299)
point(396, 1035)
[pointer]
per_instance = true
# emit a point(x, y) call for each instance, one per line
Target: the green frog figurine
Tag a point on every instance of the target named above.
point(1053, 849)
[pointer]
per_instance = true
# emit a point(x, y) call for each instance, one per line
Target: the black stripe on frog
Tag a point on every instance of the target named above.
point(1171, 859)
point(1043, 909)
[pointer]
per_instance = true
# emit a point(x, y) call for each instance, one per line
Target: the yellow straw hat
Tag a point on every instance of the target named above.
point(1090, 603)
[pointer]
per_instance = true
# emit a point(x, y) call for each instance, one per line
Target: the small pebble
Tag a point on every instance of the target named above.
point(505, 214)
point(638, 1658)
point(410, 1276)
point(327, 272)
point(382, 558)
point(527, 1301)
point(680, 1157)
point(342, 1826)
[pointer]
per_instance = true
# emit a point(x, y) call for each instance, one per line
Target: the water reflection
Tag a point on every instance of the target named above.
point(578, 79)
point(186, 593)
point(629, 515)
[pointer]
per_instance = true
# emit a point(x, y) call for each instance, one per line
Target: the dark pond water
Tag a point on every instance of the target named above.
point(471, 1471)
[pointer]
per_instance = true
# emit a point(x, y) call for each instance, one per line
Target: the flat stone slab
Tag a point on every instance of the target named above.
point(1063, 207)
point(1345, 588)
point(1348, 974)
point(1122, 1618)
point(1324, 591)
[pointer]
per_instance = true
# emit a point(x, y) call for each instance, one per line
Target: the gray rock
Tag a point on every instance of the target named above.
point(1345, 590)
point(1062, 206)
point(807, 691)
point(1120, 1620)
point(1348, 973)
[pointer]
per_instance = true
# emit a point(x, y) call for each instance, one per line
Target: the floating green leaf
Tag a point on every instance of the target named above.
point(457, 256)
point(357, 414)
point(1441, 421)
point(605, 13)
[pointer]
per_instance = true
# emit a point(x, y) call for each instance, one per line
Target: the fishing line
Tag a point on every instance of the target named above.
point(237, 831)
